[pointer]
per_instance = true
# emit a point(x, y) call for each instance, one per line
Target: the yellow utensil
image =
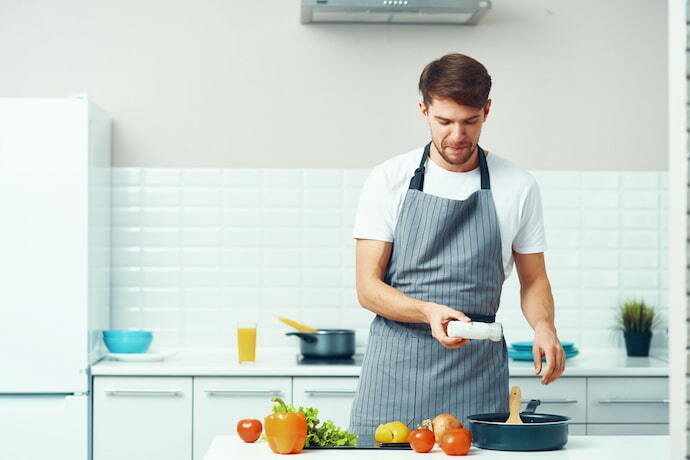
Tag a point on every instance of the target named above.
point(515, 399)
point(299, 326)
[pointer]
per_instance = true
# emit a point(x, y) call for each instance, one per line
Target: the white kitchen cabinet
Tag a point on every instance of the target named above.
point(142, 418)
point(331, 395)
point(566, 396)
point(177, 417)
point(627, 429)
point(220, 402)
point(627, 400)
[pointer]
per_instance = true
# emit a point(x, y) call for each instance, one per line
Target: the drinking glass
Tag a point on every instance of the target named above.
point(246, 342)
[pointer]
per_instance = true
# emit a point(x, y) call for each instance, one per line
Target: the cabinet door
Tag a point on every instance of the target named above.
point(566, 396)
point(627, 400)
point(331, 395)
point(627, 429)
point(220, 402)
point(142, 418)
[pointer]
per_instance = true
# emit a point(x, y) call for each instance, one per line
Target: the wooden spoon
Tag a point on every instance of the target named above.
point(299, 326)
point(515, 400)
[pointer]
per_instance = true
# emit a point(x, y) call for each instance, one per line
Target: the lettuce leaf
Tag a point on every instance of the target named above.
point(327, 434)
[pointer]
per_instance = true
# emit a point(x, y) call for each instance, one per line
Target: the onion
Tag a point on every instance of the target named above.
point(443, 423)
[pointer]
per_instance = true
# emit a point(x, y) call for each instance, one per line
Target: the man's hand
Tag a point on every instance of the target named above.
point(438, 316)
point(546, 343)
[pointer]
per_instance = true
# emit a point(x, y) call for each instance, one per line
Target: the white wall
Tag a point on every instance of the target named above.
point(195, 250)
point(578, 84)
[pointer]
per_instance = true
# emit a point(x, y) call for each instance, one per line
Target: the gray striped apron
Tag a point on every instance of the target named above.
point(449, 252)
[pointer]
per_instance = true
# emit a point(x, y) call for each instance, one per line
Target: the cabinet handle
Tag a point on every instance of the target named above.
point(330, 392)
point(240, 391)
point(552, 401)
point(633, 401)
point(142, 392)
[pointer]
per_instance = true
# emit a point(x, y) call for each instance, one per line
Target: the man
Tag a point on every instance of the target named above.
point(438, 230)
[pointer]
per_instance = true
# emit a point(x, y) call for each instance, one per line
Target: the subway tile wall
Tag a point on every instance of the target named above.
point(194, 251)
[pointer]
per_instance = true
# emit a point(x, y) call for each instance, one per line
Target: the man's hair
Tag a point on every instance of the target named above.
point(457, 77)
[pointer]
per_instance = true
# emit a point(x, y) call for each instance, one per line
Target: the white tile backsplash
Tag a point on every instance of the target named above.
point(196, 250)
point(235, 198)
point(241, 177)
point(161, 176)
point(599, 180)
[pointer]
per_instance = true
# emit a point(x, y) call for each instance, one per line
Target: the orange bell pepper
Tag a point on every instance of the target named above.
point(285, 431)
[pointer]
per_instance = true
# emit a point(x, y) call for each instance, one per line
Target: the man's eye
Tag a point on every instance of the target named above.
point(444, 123)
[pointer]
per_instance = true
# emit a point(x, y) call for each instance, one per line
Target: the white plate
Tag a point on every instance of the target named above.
point(139, 357)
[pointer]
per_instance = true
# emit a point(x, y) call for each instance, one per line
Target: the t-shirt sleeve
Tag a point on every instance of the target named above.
point(375, 218)
point(530, 237)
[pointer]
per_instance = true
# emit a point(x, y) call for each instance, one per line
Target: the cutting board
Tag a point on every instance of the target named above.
point(371, 444)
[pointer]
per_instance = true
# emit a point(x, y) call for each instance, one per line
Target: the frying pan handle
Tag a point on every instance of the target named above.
point(309, 338)
point(531, 406)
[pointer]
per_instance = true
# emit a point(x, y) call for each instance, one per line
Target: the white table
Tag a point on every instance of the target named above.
point(228, 447)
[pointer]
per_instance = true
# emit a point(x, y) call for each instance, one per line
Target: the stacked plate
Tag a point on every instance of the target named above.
point(522, 351)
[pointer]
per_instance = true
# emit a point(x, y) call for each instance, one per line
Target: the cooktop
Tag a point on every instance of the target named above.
point(355, 360)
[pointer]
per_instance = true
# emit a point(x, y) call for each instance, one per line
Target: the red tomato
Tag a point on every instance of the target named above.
point(249, 429)
point(422, 440)
point(456, 441)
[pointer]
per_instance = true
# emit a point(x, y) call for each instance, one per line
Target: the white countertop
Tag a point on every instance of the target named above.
point(283, 362)
point(228, 447)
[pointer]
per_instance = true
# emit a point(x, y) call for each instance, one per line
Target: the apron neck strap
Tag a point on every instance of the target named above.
point(417, 181)
point(484, 169)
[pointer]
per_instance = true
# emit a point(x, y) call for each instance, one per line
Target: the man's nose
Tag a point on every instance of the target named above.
point(458, 132)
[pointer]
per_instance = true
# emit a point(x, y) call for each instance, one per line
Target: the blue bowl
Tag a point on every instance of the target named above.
point(528, 345)
point(523, 355)
point(125, 332)
point(127, 341)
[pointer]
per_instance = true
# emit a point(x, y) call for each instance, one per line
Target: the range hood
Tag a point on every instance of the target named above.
point(394, 11)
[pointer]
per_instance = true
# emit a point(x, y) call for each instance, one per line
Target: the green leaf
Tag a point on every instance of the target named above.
point(326, 434)
point(636, 316)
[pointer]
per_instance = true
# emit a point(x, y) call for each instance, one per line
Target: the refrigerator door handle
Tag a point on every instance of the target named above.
point(53, 395)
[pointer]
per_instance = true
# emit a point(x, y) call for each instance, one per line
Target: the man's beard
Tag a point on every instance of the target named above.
point(459, 162)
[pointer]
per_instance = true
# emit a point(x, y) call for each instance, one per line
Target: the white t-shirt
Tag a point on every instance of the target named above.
point(515, 193)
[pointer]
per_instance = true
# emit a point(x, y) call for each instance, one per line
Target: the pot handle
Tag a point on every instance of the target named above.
point(309, 338)
point(531, 406)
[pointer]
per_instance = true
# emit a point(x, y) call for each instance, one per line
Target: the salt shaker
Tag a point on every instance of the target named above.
point(476, 330)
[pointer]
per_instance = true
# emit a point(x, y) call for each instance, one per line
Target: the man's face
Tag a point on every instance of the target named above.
point(455, 128)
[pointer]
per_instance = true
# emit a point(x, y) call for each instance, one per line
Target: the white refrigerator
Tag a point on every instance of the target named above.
point(54, 272)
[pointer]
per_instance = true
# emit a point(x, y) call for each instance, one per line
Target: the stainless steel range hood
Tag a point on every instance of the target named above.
point(394, 11)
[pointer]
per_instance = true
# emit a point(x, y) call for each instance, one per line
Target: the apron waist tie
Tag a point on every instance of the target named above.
point(482, 318)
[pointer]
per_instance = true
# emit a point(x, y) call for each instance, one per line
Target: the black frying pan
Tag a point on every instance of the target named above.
point(537, 431)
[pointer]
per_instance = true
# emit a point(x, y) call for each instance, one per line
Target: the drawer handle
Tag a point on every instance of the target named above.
point(553, 401)
point(330, 392)
point(241, 391)
point(633, 401)
point(142, 392)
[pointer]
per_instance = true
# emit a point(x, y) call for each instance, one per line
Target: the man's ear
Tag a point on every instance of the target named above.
point(487, 108)
point(424, 110)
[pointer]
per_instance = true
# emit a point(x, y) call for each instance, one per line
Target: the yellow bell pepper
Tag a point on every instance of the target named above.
point(285, 431)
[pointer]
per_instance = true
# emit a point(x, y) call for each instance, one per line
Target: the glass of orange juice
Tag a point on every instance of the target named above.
point(246, 342)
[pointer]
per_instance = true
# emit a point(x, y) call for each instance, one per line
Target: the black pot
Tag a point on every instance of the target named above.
point(327, 343)
point(537, 432)
point(637, 343)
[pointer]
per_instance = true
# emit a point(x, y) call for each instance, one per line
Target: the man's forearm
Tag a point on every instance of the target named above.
point(537, 304)
point(384, 300)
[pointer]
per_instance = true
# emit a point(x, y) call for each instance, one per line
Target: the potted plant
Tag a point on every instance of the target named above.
point(636, 319)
